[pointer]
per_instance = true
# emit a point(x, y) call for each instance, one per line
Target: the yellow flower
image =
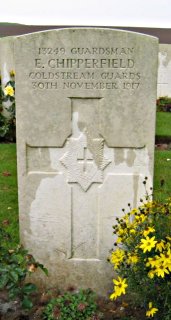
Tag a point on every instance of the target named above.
point(126, 219)
point(119, 288)
point(168, 245)
point(9, 91)
point(160, 245)
point(151, 274)
point(132, 231)
point(161, 270)
point(149, 204)
point(120, 285)
point(134, 211)
point(140, 218)
point(12, 73)
point(147, 244)
point(132, 259)
point(166, 259)
point(121, 232)
point(151, 311)
point(119, 240)
point(147, 231)
point(117, 257)
point(113, 296)
point(153, 262)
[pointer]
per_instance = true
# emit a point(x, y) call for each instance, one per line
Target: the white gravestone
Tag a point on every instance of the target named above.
point(6, 64)
point(164, 71)
point(6, 58)
point(85, 138)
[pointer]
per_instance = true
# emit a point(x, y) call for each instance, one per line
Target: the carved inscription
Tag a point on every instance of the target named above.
point(88, 68)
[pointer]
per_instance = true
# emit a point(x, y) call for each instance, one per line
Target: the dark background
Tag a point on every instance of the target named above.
point(10, 29)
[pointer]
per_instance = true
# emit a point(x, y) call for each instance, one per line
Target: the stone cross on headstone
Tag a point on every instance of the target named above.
point(84, 166)
point(85, 104)
point(86, 159)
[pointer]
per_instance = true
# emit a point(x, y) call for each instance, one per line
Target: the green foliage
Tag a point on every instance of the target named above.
point(164, 104)
point(7, 123)
point(4, 126)
point(162, 175)
point(70, 306)
point(15, 265)
point(142, 257)
point(8, 190)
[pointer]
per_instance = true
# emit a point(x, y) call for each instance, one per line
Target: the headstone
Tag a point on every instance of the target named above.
point(85, 102)
point(164, 71)
point(6, 58)
point(6, 64)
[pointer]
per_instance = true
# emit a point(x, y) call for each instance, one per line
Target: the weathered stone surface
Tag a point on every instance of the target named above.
point(85, 138)
point(164, 71)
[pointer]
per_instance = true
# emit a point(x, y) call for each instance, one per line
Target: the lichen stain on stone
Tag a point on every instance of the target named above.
point(95, 143)
point(122, 155)
point(131, 156)
point(32, 195)
point(81, 126)
point(119, 156)
point(44, 222)
point(38, 159)
point(37, 219)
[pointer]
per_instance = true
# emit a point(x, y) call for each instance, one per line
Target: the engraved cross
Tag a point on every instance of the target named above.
point(85, 159)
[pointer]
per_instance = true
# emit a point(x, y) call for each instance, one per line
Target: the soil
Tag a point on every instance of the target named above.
point(163, 146)
point(107, 310)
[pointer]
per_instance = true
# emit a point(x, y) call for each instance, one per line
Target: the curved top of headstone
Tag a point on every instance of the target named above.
point(96, 29)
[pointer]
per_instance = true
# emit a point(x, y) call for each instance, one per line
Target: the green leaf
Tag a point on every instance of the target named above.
point(3, 281)
point(14, 292)
point(14, 276)
point(43, 269)
point(27, 303)
point(29, 288)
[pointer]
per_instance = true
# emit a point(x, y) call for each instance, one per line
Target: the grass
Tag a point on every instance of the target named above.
point(163, 124)
point(8, 184)
point(8, 189)
point(162, 175)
